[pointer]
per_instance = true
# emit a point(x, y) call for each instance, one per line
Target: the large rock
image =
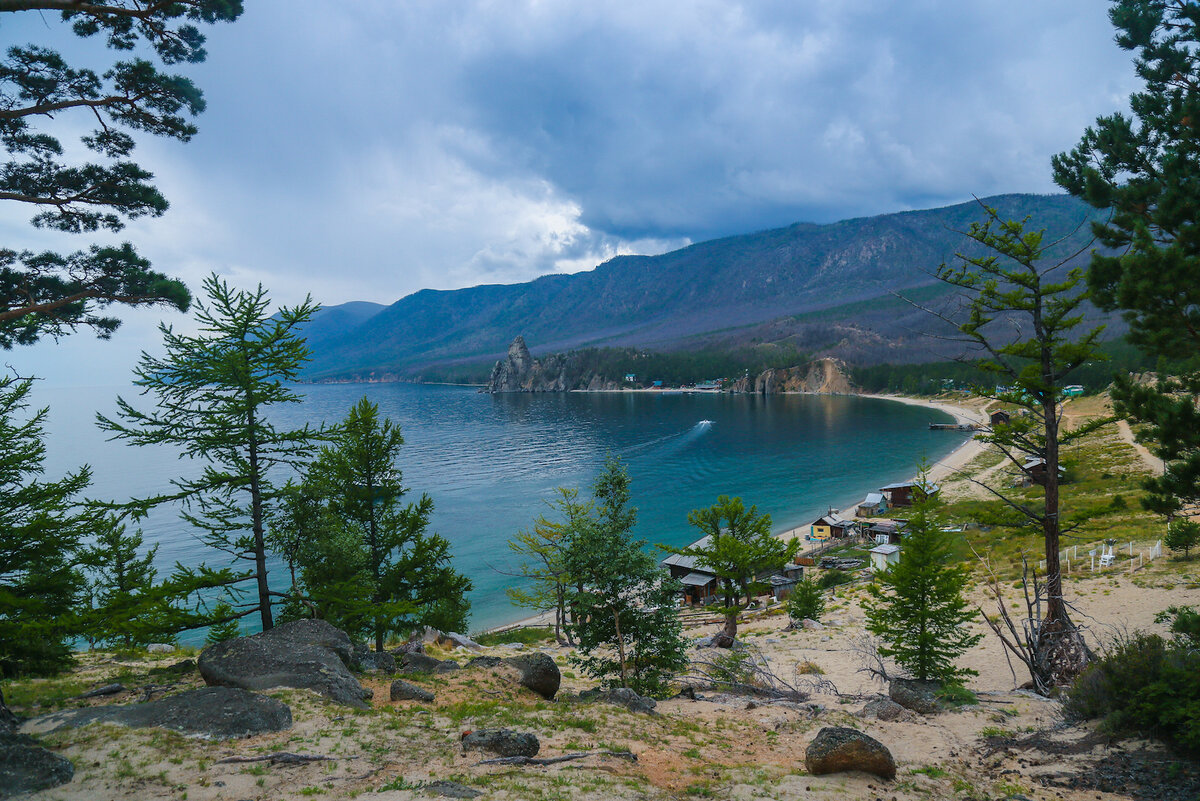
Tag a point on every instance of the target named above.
point(306, 654)
point(537, 672)
point(837, 749)
point(453, 639)
point(217, 713)
point(919, 696)
point(403, 691)
point(26, 767)
point(369, 661)
point(502, 742)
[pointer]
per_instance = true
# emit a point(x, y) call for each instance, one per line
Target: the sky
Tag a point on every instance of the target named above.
point(365, 150)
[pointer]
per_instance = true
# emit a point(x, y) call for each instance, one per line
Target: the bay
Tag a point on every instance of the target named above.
point(489, 461)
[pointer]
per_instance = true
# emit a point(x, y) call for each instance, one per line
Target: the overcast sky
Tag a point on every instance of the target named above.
point(364, 150)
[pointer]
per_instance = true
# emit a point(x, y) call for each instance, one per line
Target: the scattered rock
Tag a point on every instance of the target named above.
point(420, 663)
point(485, 662)
point(217, 713)
point(26, 767)
point(448, 789)
point(882, 708)
point(772, 641)
point(687, 691)
point(180, 668)
point(306, 654)
point(403, 691)
point(537, 672)
point(97, 692)
point(370, 661)
point(623, 696)
point(161, 647)
point(415, 645)
point(837, 749)
point(811, 625)
point(919, 696)
point(501, 742)
point(513, 646)
point(459, 640)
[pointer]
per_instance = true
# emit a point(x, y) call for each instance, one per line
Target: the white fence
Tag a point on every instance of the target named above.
point(1100, 556)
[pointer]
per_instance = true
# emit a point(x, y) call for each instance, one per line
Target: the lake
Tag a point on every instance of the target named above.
point(489, 461)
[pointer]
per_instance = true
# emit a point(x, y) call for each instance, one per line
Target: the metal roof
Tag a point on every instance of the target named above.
point(698, 579)
point(886, 550)
point(686, 562)
point(872, 499)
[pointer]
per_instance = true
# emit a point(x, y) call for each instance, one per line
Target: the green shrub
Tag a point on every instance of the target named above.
point(527, 635)
point(1145, 685)
point(833, 577)
point(806, 600)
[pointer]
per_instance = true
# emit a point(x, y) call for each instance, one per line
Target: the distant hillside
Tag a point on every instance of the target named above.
point(821, 289)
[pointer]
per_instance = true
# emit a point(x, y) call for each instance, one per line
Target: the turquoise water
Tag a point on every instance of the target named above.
point(489, 461)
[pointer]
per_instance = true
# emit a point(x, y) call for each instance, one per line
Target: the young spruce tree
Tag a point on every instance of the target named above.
point(917, 607)
point(624, 609)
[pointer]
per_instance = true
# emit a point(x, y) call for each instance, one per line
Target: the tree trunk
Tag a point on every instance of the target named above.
point(256, 519)
point(620, 647)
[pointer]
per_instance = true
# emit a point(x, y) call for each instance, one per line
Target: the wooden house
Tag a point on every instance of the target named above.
point(699, 584)
point(872, 506)
point(904, 493)
point(831, 526)
point(999, 418)
point(886, 532)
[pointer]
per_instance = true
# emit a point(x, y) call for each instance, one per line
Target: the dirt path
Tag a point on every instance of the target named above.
point(1152, 462)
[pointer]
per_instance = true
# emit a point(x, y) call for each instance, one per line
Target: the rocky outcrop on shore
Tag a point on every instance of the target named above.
point(518, 371)
point(821, 377)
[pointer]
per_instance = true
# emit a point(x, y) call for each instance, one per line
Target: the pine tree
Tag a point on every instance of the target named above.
point(226, 627)
point(917, 607)
point(737, 549)
point(41, 525)
point(1145, 169)
point(49, 293)
point(1183, 535)
point(213, 393)
point(624, 607)
point(806, 601)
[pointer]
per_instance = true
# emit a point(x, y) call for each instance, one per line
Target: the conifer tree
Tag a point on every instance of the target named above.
point(41, 524)
point(917, 608)
point(624, 608)
point(121, 585)
point(544, 548)
point(377, 569)
point(213, 392)
point(1144, 167)
point(739, 547)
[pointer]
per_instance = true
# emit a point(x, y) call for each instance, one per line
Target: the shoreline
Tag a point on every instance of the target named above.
point(940, 470)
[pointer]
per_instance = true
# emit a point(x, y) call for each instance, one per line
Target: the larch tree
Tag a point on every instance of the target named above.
point(623, 604)
point(50, 293)
point(1144, 168)
point(543, 549)
point(1023, 312)
point(41, 525)
point(212, 394)
point(737, 548)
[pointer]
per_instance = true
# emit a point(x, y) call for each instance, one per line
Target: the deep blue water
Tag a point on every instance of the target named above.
point(489, 461)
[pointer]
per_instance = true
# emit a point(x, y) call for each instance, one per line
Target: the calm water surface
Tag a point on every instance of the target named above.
point(489, 461)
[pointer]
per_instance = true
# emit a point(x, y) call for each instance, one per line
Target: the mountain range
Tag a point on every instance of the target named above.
point(825, 290)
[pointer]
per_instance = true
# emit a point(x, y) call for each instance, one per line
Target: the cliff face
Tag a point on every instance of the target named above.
point(518, 371)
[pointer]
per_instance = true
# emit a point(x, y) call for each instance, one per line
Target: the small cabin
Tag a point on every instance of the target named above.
point(886, 532)
point(871, 506)
point(884, 555)
point(830, 526)
point(699, 585)
point(1000, 418)
point(905, 493)
point(782, 586)
point(630, 378)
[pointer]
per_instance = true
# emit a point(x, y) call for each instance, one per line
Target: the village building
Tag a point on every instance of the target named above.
point(699, 584)
point(886, 532)
point(999, 418)
point(884, 555)
point(872, 506)
point(904, 493)
point(831, 526)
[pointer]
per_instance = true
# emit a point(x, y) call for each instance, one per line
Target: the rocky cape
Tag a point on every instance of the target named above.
point(518, 371)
